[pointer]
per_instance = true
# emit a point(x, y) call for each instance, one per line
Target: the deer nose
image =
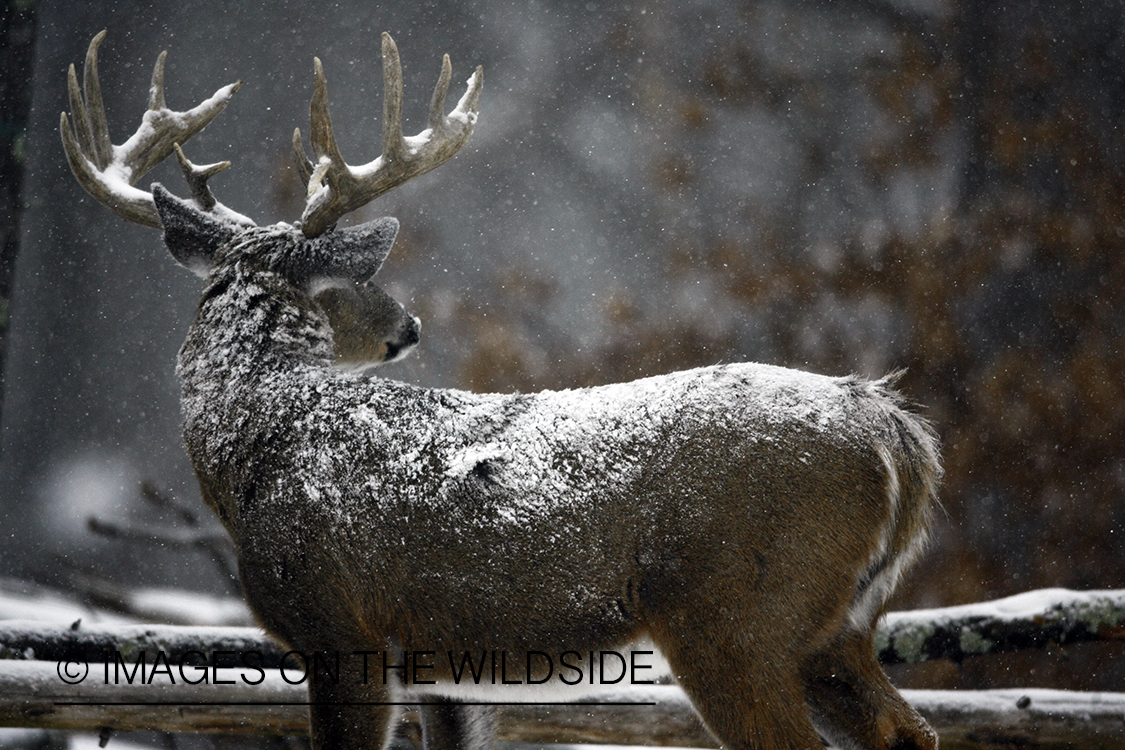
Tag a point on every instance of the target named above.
point(413, 331)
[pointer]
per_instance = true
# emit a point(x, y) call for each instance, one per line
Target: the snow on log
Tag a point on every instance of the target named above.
point(33, 695)
point(105, 602)
point(97, 642)
point(1029, 620)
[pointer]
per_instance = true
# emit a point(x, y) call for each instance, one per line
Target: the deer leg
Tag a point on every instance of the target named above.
point(854, 704)
point(745, 687)
point(347, 715)
point(450, 725)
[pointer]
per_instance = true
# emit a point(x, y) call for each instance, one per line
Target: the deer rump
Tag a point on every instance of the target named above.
point(444, 521)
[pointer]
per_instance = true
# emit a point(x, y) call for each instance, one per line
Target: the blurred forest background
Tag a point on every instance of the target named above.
point(839, 186)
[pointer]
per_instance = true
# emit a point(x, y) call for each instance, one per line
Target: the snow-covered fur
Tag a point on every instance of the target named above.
point(750, 520)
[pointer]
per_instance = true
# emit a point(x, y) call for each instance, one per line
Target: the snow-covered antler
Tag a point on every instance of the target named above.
point(335, 189)
point(108, 172)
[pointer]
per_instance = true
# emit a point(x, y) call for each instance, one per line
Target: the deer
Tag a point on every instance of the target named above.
point(750, 521)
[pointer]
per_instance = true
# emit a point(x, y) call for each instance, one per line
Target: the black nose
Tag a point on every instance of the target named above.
point(412, 333)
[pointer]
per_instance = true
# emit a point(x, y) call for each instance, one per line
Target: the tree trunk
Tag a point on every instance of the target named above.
point(17, 59)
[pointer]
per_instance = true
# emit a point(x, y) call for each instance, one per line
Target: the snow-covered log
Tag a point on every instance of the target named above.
point(1030, 620)
point(33, 695)
point(97, 642)
point(171, 606)
point(96, 600)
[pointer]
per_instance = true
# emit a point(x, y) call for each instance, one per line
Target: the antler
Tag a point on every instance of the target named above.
point(108, 172)
point(334, 188)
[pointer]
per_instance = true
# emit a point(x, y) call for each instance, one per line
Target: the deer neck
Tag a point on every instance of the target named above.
point(256, 350)
point(253, 324)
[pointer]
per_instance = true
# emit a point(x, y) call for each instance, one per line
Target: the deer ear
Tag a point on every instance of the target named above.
point(355, 253)
point(194, 237)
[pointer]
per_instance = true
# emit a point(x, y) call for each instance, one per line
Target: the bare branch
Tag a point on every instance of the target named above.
point(160, 536)
point(157, 605)
point(217, 545)
point(155, 497)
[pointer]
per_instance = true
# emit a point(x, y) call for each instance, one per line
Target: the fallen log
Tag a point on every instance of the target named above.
point(32, 694)
point(1031, 620)
point(1034, 619)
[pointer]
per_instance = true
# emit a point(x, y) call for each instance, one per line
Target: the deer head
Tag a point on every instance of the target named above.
point(334, 265)
point(751, 521)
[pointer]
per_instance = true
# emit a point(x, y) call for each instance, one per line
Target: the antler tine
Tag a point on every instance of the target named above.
point(394, 147)
point(81, 117)
point(89, 112)
point(156, 88)
point(197, 176)
point(108, 172)
point(436, 120)
point(335, 188)
point(304, 164)
point(95, 107)
point(323, 140)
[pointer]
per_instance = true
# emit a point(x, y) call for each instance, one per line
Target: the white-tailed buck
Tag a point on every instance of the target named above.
point(749, 520)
